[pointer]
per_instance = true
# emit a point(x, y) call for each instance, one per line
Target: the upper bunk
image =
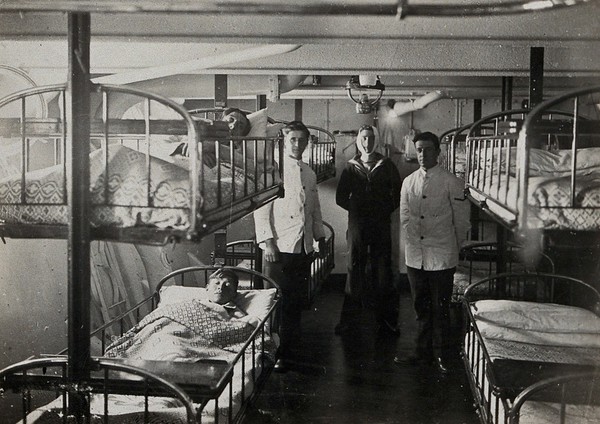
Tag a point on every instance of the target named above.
point(319, 155)
point(141, 191)
point(540, 171)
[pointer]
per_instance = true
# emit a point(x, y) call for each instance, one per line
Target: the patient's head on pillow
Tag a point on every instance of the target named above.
point(239, 124)
point(222, 286)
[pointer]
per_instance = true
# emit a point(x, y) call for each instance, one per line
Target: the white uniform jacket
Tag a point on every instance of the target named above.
point(295, 217)
point(434, 214)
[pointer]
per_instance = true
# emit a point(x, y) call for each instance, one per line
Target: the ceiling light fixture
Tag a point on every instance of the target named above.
point(363, 85)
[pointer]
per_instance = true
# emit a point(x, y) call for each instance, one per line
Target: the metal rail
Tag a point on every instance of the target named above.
point(400, 9)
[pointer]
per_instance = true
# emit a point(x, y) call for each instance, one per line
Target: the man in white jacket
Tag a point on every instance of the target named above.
point(434, 214)
point(285, 230)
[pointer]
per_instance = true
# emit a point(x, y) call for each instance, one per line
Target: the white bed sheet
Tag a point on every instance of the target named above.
point(533, 412)
point(530, 331)
point(549, 200)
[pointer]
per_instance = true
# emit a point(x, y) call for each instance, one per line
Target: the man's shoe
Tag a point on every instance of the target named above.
point(281, 366)
point(411, 360)
point(441, 366)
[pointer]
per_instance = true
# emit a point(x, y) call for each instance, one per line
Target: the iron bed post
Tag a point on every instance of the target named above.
point(78, 140)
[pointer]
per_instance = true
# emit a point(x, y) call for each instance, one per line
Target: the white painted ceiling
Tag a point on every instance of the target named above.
point(466, 55)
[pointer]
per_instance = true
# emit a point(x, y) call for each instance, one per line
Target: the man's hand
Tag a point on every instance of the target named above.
point(322, 246)
point(271, 251)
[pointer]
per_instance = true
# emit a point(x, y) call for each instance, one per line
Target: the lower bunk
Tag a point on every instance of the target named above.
point(571, 398)
point(483, 259)
point(247, 254)
point(188, 359)
point(521, 328)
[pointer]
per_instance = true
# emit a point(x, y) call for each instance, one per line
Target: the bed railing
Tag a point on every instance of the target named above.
point(575, 133)
point(50, 374)
point(453, 155)
point(479, 260)
point(140, 192)
point(497, 173)
point(247, 253)
point(566, 394)
point(489, 384)
point(202, 382)
point(319, 155)
point(536, 287)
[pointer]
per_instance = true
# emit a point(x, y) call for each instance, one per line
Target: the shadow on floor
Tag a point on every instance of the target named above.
point(353, 379)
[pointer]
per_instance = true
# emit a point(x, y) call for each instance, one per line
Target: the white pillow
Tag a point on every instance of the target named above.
point(258, 123)
point(588, 160)
point(558, 163)
point(535, 316)
point(175, 294)
point(256, 302)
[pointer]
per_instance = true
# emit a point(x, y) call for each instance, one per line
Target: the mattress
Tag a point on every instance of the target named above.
point(122, 195)
point(549, 201)
point(186, 328)
point(549, 191)
point(529, 341)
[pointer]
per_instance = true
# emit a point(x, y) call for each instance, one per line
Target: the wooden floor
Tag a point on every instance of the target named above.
point(353, 379)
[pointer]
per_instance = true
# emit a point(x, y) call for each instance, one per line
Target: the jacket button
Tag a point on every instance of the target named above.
point(422, 217)
point(422, 237)
point(424, 197)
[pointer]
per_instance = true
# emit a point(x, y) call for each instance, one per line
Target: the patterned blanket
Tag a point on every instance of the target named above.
point(184, 331)
point(124, 194)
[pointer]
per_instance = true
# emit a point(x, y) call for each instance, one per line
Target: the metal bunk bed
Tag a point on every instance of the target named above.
point(83, 178)
point(319, 155)
point(215, 385)
point(521, 328)
point(78, 366)
point(563, 399)
point(528, 175)
point(247, 254)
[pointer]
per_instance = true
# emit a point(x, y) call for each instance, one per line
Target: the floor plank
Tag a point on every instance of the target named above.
point(352, 379)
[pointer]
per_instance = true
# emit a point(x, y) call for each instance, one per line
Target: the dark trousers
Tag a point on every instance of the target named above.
point(370, 271)
point(291, 273)
point(431, 291)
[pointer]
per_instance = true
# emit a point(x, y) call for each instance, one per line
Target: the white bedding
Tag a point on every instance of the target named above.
point(533, 412)
point(544, 163)
point(549, 200)
point(121, 197)
point(184, 328)
point(538, 331)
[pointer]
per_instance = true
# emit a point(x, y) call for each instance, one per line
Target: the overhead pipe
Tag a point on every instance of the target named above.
point(401, 9)
point(402, 108)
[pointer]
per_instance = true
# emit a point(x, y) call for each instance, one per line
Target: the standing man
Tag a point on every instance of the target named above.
point(285, 230)
point(435, 216)
point(369, 189)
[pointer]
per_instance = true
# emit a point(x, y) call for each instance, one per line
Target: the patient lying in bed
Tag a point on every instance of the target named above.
point(190, 324)
point(239, 126)
point(210, 326)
